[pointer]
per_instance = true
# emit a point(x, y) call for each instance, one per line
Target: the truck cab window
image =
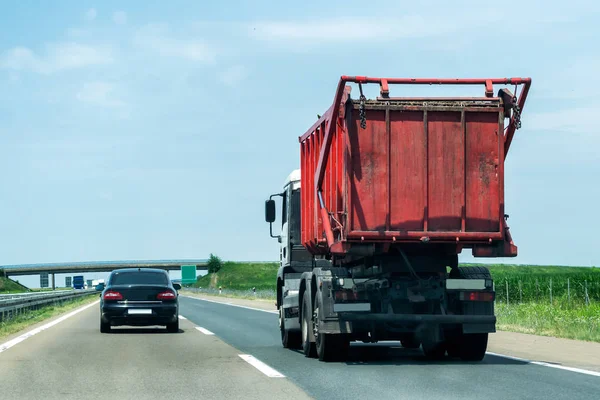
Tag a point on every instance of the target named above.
point(284, 207)
point(295, 218)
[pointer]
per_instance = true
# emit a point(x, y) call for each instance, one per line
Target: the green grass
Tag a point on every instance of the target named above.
point(575, 321)
point(9, 286)
point(242, 276)
point(25, 320)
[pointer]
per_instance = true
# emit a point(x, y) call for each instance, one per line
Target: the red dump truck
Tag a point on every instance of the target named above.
point(389, 191)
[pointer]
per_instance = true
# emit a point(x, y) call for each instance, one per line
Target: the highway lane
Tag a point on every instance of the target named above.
point(73, 360)
point(383, 372)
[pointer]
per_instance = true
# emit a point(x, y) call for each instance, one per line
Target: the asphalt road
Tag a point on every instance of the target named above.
point(72, 359)
point(377, 371)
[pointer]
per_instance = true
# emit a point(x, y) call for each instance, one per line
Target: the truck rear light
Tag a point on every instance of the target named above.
point(112, 295)
point(345, 295)
point(477, 296)
point(168, 295)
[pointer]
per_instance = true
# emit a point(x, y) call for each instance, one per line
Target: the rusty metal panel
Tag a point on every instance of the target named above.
point(445, 160)
point(482, 172)
point(368, 172)
point(408, 171)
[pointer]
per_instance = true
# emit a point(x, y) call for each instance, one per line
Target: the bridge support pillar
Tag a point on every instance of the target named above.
point(53, 283)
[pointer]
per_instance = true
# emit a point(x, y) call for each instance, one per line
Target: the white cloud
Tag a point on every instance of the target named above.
point(157, 39)
point(119, 17)
point(234, 75)
point(99, 93)
point(57, 57)
point(426, 21)
point(91, 14)
point(352, 29)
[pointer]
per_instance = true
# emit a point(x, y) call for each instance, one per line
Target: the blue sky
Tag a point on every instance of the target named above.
point(139, 130)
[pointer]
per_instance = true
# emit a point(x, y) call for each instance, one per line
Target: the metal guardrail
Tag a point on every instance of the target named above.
point(23, 302)
point(23, 294)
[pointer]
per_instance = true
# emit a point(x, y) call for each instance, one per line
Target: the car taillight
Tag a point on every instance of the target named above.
point(477, 296)
point(112, 295)
point(168, 295)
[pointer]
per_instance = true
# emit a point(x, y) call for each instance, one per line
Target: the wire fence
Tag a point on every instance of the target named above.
point(556, 289)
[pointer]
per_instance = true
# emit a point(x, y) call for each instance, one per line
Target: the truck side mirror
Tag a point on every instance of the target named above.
point(270, 211)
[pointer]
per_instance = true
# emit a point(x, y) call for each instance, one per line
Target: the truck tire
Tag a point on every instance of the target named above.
point(330, 347)
point(453, 346)
point(308, 347)
point(289, 340)
point(434, 350)
point(410, 342)
point(472, 346)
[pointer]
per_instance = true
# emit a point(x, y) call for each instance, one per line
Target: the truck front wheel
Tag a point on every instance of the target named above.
point(289, 340)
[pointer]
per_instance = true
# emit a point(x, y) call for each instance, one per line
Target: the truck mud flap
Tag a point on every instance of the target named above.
point(419, 318)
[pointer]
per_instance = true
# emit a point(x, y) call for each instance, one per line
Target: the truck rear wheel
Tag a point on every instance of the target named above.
point(410, 342)
point(289, 340)
point(308, 347)
point(434, 350)
point(472, 346)
point(330, 347)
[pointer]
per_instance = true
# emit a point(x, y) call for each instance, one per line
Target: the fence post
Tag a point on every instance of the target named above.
point(550, 291)
point(520, 292)
point(587, 298)
point(568, 291)
point(507, 291)
point(537, 289)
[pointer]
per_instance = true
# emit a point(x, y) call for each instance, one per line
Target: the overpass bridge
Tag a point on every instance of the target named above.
point(98, 266)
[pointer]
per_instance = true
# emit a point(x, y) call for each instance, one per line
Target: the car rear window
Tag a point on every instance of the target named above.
point(138, 277)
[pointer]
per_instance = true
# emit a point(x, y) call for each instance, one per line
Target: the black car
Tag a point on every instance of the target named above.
point(139, 297)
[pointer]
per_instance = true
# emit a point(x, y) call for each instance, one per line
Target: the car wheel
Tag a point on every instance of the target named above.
point(174, 327)
point(104, 327)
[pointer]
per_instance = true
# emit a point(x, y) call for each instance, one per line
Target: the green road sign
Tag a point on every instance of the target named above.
point(188, 274)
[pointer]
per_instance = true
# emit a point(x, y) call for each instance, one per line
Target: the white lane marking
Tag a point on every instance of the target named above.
point(234, 305)
point(261, 366)
point(19, 339)
point(205, 331)
point(545, 364)
point(182, 317)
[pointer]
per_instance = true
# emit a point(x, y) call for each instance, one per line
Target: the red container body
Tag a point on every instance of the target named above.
point(423, 170)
